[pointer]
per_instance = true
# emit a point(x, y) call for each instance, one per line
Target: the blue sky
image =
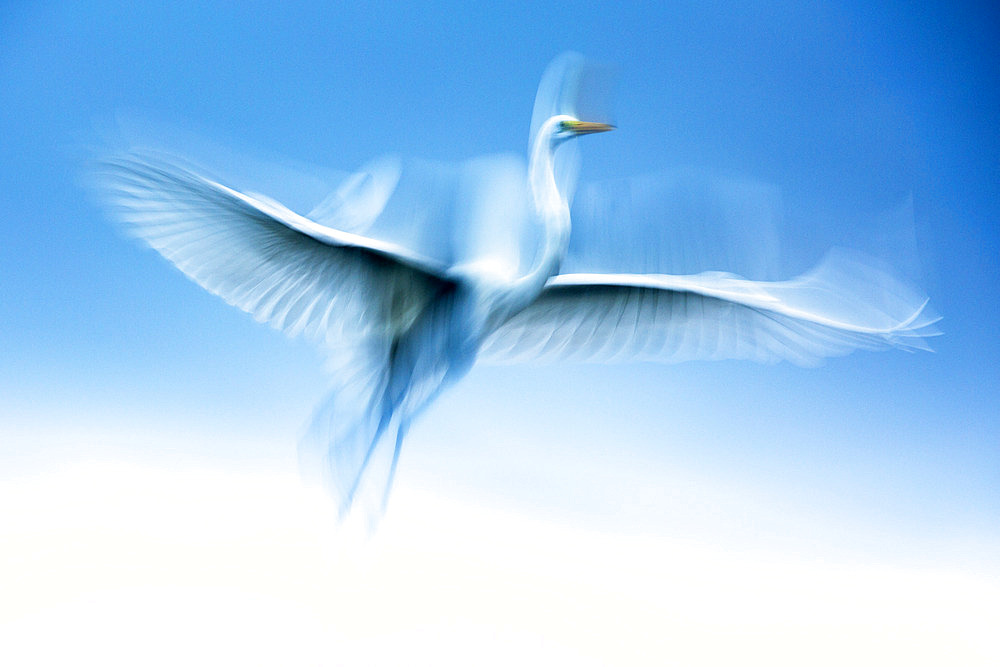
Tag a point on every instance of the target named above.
point(849, 110)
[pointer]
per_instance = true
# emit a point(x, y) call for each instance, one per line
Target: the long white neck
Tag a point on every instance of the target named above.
point(550, 209)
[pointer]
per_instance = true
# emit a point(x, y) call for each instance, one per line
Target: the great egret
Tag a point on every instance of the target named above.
point(402, 320)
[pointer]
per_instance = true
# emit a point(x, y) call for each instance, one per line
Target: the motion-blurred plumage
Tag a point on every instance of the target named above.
point(404, 315)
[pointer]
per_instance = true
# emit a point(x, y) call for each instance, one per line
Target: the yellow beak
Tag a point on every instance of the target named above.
point(582, 127)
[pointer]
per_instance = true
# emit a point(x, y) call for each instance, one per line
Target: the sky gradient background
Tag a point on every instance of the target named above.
point(697, 512)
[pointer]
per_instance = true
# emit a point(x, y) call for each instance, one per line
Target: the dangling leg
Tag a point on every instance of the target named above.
point(400, 434)
point(340, 442)
point(384, 421)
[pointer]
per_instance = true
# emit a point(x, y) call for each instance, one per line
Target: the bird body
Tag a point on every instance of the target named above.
point(402, 321)
point(440, 346)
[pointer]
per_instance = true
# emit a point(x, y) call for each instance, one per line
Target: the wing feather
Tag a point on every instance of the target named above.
point(840, 306)
point(285, 270)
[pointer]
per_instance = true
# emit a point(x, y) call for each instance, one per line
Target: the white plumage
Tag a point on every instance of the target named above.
point(403, 319)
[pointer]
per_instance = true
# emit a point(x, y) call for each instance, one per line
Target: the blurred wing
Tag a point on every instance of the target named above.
point(285, 270)
point(359, 200)
point(681, 222)
point(840, 306)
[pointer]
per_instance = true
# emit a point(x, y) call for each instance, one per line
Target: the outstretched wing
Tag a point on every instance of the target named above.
point(840, 306)
point(286, 270)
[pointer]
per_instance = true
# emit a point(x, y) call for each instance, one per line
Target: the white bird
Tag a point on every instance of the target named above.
point(402, 320)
